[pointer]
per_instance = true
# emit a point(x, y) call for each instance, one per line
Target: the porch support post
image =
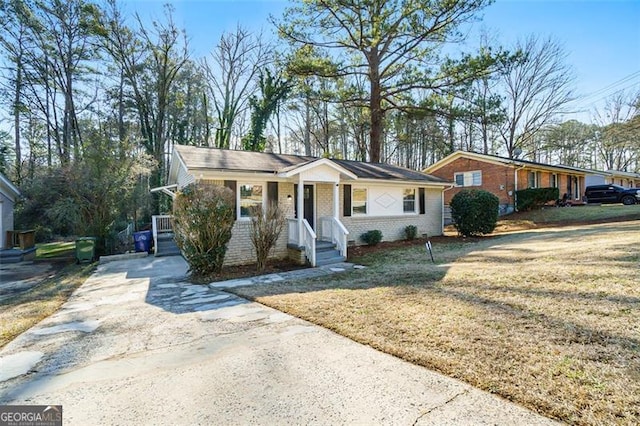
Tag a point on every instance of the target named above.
point(336, 201)
point(300, 207)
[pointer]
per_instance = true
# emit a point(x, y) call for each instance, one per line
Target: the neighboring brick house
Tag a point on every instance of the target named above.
point(503, 176)
point(339, 199)
point(613, 177)
point(626, 179)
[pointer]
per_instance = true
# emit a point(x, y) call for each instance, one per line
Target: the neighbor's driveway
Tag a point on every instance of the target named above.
point(137, 344)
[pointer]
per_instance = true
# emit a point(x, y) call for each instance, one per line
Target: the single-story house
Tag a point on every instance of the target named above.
point(8, 196)
point(504, 176)
point(612, 177)
point(326, 201)
point(617, 177)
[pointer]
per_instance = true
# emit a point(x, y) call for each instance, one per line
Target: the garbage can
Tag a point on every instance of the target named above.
point(142, 241)
point(85, 249)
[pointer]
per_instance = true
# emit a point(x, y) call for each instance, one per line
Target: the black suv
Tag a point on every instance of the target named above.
point(608, 194)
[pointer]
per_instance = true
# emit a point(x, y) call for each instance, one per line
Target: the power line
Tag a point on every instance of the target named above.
point(633, 76)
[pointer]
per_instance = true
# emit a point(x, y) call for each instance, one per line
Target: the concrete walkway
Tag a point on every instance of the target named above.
point(138, 344)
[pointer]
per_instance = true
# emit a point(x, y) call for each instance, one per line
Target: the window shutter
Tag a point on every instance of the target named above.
point(272, 193)
point(347, 201)
point(423, 209)
point(232, 185)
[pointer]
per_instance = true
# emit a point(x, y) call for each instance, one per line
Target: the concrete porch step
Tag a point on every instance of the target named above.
point(326, 253)
point(167, 245)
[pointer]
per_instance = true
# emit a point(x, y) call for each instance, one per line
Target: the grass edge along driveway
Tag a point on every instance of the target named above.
point(549, 318)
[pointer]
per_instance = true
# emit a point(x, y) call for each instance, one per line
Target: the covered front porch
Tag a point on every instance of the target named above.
point(317, 233)
point(315, 228)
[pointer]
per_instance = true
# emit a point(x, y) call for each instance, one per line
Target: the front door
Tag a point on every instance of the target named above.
point(308, 203)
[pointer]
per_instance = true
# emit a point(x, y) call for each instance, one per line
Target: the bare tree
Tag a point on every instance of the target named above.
point(149, 59)
point(619, 136)
point(232, 73)
point(536, 86)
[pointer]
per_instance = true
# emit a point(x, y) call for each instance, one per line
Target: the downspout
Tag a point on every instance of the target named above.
point(515, 188)
point(442, 204)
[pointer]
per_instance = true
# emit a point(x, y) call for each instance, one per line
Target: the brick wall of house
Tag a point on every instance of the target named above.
point(497, 179)
point(545, 178)
point(240, 249)
point(500, 180)
point(324, 200)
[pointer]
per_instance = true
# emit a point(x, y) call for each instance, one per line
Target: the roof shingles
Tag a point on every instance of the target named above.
point(247, 161)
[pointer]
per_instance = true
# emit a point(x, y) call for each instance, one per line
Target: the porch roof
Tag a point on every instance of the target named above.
point(198, 158)
point(8, 188)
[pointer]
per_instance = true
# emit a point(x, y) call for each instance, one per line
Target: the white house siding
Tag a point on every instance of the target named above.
point(184, 178)
point(433, 213)
point(6, 212)
point(321, 173)
point(383, 213)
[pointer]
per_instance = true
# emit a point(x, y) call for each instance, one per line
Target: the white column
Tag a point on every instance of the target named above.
point(336, 201)
point(300, 207)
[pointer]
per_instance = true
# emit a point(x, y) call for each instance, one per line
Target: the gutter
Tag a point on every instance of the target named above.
point(515, 188)
point(451, 186)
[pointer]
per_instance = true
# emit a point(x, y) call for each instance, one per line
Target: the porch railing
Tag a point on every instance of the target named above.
point(306, 240)
point(292, 227)
point(333, 230)
point(160, 224)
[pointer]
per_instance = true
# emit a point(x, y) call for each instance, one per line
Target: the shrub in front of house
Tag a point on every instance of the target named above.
point(534, 198)
point(203, 216)
point(371, 238)
point(410, 232)
point(474, 212)
point(265, 231)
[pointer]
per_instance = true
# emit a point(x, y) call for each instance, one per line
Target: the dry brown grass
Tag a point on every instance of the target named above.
point(548, 318)
point(23, 311)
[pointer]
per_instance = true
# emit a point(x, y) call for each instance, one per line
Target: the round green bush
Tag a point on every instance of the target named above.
point(474, 212)
point(372, 237)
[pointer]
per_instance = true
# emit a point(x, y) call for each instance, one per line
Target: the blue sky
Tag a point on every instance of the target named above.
point(602, 37)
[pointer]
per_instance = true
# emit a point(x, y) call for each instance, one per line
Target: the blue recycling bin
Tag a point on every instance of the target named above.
point(142, 241)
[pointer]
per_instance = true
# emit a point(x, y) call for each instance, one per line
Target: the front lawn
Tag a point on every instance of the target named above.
point(547, 318)
point(24, 310)
point(577, 214)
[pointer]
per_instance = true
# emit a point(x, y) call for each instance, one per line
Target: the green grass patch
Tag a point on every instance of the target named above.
point(577, 214)
point(55, 249)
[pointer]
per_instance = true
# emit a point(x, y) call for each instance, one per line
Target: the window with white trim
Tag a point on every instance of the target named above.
point(359, 201)
point(473, 178)
point(534, 179)
point(554, 180)
point(409, 200)
point(250, 195)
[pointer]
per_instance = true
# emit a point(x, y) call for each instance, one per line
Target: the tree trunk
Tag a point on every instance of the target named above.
point(307, 126)
point(377, 117)
point(17, 104)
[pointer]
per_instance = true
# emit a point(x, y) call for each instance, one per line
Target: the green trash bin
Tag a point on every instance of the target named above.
point(85, 249)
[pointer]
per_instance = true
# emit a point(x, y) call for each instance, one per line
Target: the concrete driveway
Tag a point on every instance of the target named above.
point(138, 344)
